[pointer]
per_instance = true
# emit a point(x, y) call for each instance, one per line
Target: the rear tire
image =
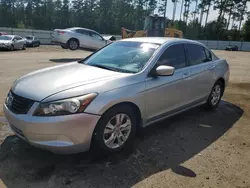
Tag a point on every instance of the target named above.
point(215, 95)
point(115, 130)
point(73, 44)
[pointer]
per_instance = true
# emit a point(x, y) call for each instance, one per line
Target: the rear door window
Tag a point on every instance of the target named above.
point(82, 31)
point(196, 54)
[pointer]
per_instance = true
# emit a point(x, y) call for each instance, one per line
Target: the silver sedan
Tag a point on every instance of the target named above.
point(77, 37)
point(102, 100)
point(12, 42)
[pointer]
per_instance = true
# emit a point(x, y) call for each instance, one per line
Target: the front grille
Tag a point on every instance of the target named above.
point(20, 105)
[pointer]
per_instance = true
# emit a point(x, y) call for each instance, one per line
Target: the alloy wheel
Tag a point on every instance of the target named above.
point(216, 94)
point(117, 131)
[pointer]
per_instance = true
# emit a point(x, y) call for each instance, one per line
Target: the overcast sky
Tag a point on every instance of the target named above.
point(213, 14)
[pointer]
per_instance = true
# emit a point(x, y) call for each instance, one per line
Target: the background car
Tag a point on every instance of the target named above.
point(76, 37)
point(12, 42)
point(3, 33)
point(232, 48)
point(32, 41)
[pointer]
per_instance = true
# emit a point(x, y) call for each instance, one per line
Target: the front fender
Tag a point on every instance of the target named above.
point(133, 94)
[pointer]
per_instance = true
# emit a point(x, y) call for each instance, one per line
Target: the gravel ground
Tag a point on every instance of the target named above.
point(197, 148)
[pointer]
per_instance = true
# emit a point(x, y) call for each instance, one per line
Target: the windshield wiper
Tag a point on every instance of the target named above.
point(111, 68)
point(103, 67)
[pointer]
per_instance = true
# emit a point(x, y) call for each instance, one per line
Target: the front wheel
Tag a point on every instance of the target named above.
point(11, 48)
point(215, 95)
point(115, 130)
point(64, 46)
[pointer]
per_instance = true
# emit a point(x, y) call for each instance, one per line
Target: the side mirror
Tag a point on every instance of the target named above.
point(164, 70)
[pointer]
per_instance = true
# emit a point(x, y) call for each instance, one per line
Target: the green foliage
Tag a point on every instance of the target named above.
point(108, 16)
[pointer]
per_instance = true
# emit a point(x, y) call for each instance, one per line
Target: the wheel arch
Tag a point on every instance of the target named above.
point(223, 82)
point(131, 105)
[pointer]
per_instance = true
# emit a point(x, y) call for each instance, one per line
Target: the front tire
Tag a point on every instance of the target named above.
point(73, 44)
point(115, 130)
point(64, 46)
point(215, 95)
point(11, 48)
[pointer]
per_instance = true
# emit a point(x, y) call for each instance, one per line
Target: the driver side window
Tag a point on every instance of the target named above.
point(174, 56)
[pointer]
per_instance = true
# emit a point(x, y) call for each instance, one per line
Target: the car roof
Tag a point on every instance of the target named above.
point(71, 28)
point(161, 40)
point(10, 35)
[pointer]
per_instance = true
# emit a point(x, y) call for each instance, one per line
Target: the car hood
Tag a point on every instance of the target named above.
point(40, 84)
point(5, 41)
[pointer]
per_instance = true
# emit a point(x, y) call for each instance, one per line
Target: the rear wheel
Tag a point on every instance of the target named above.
point(73, 44)
point(115, 130)
point(215, 95)
point(24, 47)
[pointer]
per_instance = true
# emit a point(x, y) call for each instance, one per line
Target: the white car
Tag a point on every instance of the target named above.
point(76, 37)
point(12, 42)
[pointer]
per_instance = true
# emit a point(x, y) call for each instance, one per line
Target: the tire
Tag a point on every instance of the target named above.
point(24, 47)
point(38, 44)
point(73, 44)
point(215, 95)
point(11, 48)
point(102, 141)
point(64, 46)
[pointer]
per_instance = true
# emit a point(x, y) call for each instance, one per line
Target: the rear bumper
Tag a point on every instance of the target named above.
point(62, 134)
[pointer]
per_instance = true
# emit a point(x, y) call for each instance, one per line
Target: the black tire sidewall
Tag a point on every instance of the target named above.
point(98, 142)
point(209, 103)
point(70, 42)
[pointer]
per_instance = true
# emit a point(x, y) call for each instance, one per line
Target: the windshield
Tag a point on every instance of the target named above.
point(123, 56)
point(5, 38)
point(29, 38)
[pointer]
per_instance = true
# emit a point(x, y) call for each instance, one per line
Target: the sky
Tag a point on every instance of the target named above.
point(213, 14)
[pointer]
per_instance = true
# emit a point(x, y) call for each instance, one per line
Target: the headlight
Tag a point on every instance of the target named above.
point(66, 106)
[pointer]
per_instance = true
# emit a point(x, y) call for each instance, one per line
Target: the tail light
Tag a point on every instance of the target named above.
point(60, 32)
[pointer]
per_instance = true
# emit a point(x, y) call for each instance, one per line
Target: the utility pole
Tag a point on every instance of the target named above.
point(165, 10)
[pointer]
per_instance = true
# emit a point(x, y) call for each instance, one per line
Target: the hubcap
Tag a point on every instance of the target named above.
point(73, 44)
point(216, 95)
point(117, 131)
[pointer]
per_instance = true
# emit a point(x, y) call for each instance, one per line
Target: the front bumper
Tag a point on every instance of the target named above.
point(4, 47)
point(61, 134)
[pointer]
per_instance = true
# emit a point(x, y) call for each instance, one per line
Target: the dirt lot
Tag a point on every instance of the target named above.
point(198, 148)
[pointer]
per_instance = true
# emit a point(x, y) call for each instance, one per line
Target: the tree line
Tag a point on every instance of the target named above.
point(108, 16)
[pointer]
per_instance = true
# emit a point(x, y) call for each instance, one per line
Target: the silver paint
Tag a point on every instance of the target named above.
point(156, 97)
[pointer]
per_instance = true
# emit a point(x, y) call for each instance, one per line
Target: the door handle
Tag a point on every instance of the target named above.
point(210, 67)
point(185, 75)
